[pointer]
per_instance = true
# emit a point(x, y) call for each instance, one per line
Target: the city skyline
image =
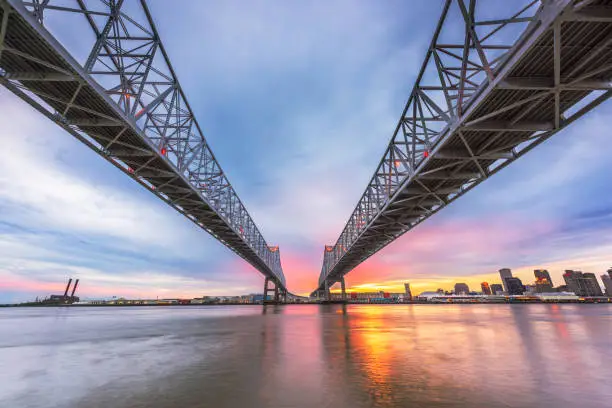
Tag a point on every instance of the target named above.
point(604, 282)
point(299, 164)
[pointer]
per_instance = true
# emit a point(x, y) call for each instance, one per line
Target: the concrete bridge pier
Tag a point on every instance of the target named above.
point(268, 290)
point(279, 294)
point(327, 293)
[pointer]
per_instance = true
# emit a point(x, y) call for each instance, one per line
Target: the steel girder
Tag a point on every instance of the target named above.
point(126, 103)
point(482, 99)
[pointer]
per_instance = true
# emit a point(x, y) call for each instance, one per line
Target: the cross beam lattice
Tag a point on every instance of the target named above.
point(125, 102)
point(489, 91)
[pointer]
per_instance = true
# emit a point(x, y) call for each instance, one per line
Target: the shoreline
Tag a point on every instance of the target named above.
point(21, 305)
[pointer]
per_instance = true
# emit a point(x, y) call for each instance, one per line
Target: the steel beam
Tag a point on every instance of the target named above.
point(127, 105)
point(479, 103)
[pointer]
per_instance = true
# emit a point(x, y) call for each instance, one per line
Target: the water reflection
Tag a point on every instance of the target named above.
point(307, 356)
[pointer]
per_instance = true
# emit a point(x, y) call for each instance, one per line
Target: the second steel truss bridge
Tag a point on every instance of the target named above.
point(124, 101)
point(489, 90)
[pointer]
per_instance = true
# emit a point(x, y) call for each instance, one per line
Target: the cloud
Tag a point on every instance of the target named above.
point(298, 101)
point(65, 212)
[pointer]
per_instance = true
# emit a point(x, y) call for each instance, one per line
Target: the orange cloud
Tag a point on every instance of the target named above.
point(438, 256)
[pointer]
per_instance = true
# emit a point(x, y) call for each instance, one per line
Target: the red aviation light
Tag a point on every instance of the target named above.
point(329, 248)
point(241, 230)
point(163, 151)
point(130, 170)
point(397, 163)
point(426, 154)
point(273, 248)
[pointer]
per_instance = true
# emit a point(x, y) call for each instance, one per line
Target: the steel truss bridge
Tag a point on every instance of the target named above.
point(126, 103)
point(489, 91)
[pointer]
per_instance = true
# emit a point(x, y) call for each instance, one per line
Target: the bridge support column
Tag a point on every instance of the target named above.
point(267, 289)
point(278, 293)
point(343, 286)
point(327, 293)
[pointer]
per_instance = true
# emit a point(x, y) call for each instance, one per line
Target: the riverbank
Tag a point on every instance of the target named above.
point(513, 302)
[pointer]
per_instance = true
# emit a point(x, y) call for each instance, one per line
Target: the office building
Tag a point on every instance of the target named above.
point(592, 285)
point(582, 284)
point(543, 285)
point(408, 293)
point(541, 275)
point(461, 289)
point(504, 274)
point(486, 289)
point(514, 286)
point(607, 281)
point(573, 280)
point(496, 289)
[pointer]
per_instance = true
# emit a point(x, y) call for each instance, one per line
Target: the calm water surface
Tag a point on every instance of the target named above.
point(307, 356)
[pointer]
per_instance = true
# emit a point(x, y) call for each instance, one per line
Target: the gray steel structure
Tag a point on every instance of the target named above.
point(486, 94)
point(126, 103)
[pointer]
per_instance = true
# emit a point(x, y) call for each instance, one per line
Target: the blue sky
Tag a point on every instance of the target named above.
point(298, 101)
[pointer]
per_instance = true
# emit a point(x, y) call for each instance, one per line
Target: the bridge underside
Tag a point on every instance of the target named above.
point(456, 132)
point(143, 126)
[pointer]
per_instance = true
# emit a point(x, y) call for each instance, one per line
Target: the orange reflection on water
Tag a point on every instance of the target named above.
point(369, 337)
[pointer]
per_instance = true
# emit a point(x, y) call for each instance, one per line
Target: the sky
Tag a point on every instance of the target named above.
point(298, 101)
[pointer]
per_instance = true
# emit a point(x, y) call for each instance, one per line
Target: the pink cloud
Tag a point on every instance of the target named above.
point(443, 251)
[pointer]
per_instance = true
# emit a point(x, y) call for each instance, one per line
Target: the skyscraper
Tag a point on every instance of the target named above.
point(505, 273)
point(461, 288)
point(591, 284)
point(607, 281)
point(496, 289)
point(486, 289)
point(514, 286)
point(573, 280)
point(543, 281)
point(582, 284)
point(407, 290)
point(541, 274)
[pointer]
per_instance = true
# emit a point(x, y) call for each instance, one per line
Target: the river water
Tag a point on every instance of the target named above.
point(307, 356)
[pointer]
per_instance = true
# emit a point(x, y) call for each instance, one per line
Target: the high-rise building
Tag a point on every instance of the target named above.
point(496, 289)
point(461, 288)
point(592, 285)
point(543, 281)
point(582, 284)
point(514, 286)
point(486, 289)
point(541, 274)
point(408, 294)
point(573, 280)
point(607, 281)
point(505, 273)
